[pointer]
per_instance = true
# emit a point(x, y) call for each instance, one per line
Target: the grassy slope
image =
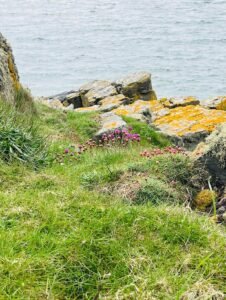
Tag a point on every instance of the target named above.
point(62, 237)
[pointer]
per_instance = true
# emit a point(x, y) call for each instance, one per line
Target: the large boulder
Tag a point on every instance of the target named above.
point(212, 155)
point(109, 122)
point(9, 78)
point(95, 91)
point(137, 85)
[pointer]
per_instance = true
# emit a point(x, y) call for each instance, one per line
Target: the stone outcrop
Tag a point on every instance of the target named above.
point(185, 125)
point(9, 78)
point(212, 154)
point(137, 85)
point(183, 119)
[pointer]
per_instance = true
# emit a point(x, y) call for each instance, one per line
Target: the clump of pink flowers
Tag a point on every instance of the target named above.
point(119, 137)
point(167, 150)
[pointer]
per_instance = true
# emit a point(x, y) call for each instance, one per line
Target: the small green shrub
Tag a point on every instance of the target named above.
point(156, 191)
point(179, 168)
point(90, 179)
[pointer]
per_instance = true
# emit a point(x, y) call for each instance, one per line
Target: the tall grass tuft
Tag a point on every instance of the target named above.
point(19, 137)
point(23, 102)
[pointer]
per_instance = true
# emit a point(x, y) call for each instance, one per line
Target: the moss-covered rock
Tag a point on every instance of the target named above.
point(204, 199)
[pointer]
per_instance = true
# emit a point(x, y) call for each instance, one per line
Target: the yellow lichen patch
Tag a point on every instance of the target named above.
point(87, 109)
point(13, 72)
point(190, 119)
point(222, 104)
point(155, 105)
point(113, 100)
point(111, 125)
point(138, 107)
point(204, 199)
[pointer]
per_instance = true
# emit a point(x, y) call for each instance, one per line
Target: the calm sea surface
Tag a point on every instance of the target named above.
point(60, 44)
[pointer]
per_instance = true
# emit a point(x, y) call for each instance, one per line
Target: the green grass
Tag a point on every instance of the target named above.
point(67, 234)
point(147, 133)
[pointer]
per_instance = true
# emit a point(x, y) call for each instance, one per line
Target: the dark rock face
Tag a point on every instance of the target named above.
point(68, 98)
point(212, 154)
point(9, 78)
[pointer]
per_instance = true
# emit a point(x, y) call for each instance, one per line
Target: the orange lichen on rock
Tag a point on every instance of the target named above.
point(181, 121)
point(13, 72)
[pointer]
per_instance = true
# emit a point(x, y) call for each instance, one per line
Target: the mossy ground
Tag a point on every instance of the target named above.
point(65, 236)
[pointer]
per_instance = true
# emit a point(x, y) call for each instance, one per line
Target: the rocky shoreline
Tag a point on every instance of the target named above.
point(185, 120)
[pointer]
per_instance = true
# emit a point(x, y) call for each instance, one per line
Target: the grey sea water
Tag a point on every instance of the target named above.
point(60, 44)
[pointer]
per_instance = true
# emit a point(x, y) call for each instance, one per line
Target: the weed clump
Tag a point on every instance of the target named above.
point(156, 191)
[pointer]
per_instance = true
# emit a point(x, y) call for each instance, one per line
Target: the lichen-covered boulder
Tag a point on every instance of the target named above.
point(109, 122)
point(189, 125)
point(91, 93)
point(216, 103)
point(68, 98)
point(137, 85)
point(179, 101)
point(212, 154)
point(9, 78)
